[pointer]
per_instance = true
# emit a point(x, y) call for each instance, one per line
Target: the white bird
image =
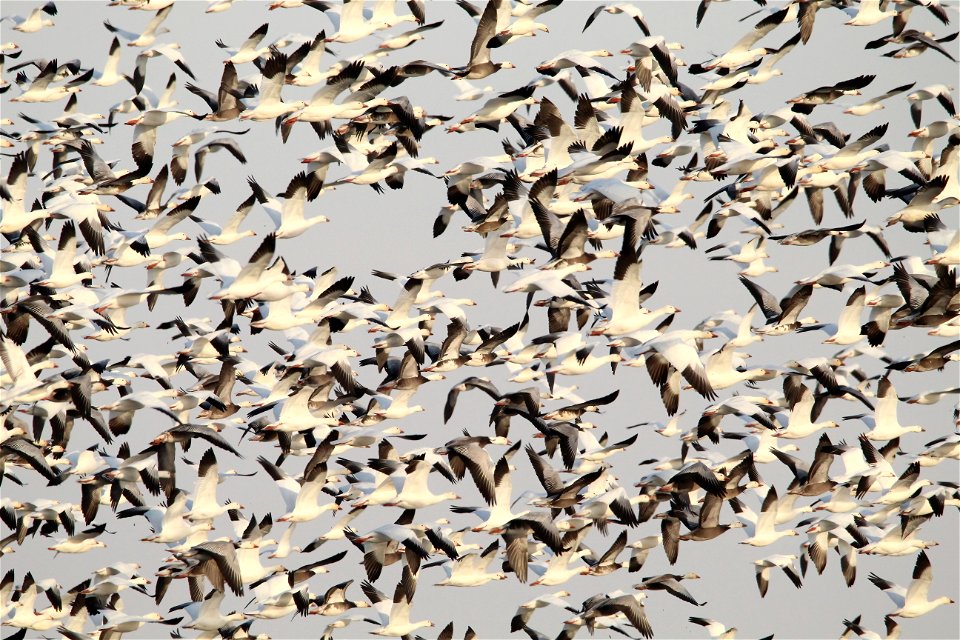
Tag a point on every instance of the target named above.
point(784, 562)
point(394, 614)
point(912, 602)
point(886, 424)
point(761, 531)
point(148, 36)
point(288, 217)
point(300, 497)
point(470, 570)
point(36, 20)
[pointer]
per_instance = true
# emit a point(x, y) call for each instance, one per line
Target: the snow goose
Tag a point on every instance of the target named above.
point(743, 52)
point(827, 94)
point(761, 532)
point(874, 104)
point(552, 281)
point(573, 58)
point(468, 454)
point(582, 361)
point(515, 535)
point(470, 570)
point(607, 563)
point(225, 104)
point(499, 513)
point(887, 426)
point(922, 209)
point(300, 497)
point(722, 374)
point(496, 109)
point(334, 601)
point(217, 6)
point(891, 626)
point(40, 89)
point(814, 479)
point(613, 503)
point(717, 630)
point(868, 14)
point(271, 105)
point(854, 153)
point(670, 582)
point(494, 258)
point(936, 359)
point(895, 540)
point(395, 615)
point(708, 529)
point(169, 524)
point(413, 492)
point(750, 252)
point(26, 386)
point(525, 25)
point(468, 92)
point(289, 217)
point(21, 613)
point(526, 610)
point(149, 35)
point(640, 549)
point(248, 51)
point(906, 485)
point(936, 451)
point(781, 561)
point(626, 8)
point(247, 281)
point(145, 135)
point(941, 92)
point(782, 316)
point(308, 71)
point(676, 351)
point(387, 540)
point(109, 76)
point(217, 561)
point(229, 233)
point(119, 622)
point(81, 542)
point(322, 106)
point(627, 316)
point(628, 605)
point(205, 505)
point(407, 38)
point(36, 20)
point(280, 604)
point(205, 615)
point(800, 423)
point(847, 329)
point(912, 602)
point(350, 23)
point(480, 66)
point(558, 569)
point(949, 255)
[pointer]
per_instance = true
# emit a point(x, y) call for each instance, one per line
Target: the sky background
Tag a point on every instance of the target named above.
point(392, 232)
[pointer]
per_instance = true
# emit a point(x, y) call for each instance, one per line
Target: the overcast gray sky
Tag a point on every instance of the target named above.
point(392, 232)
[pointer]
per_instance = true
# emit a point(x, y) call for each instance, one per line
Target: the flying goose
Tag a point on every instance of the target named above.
point(782, 561)
point(912, 602)
point(480, 66)
point(270, 104)
point(217, 561)
point(761, 531)
point(629, 605)
point(395, 614)
point(36, 20)
point(470, 570)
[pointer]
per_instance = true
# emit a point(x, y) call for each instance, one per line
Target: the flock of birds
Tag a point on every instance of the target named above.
point(313, 379)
